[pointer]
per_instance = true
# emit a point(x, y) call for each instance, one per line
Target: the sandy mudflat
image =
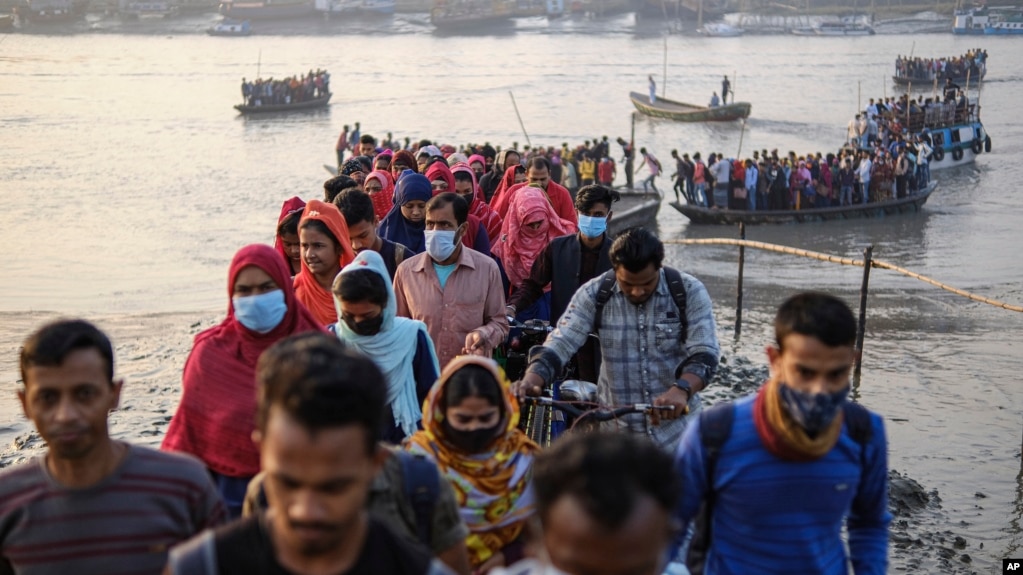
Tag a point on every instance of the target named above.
point(150, 351)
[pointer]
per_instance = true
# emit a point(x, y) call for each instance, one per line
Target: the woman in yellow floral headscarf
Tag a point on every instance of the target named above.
point(470, 429)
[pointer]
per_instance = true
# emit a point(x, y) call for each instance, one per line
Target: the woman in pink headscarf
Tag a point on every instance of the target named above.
point(530, 225)
point(466, 186)
point(380, 188)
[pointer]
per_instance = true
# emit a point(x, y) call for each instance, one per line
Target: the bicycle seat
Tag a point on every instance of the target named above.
point(578, 390)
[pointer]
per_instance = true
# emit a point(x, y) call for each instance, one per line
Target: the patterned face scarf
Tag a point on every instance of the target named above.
point(494, 487)
point(780, 417)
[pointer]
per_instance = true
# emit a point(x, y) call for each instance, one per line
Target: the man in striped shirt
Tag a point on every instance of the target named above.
point(92, 505)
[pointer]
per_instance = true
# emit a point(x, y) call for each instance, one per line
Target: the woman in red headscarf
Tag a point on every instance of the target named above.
point(326, 248)
point(380, 188)
point(464, 176)
point(217, 413)
point(286, 242)
point(403, 160)
point(531, 224)
point(442, 181)
point(513, 175)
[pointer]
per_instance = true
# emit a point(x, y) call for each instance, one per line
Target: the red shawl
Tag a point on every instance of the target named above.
point(383, 200)
point(308, 291)
point(440, 171)
point(506, 183)
point(217, 413)
point(480, 208)
point(290, 206)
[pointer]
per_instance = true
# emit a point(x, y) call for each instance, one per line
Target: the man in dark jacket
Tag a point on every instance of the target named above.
point(490, 180)
point(570, 261)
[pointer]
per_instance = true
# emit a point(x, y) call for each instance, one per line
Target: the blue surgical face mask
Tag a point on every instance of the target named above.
point(812, 411)
point(440, 244)
point(592, 226)
point(260, 313)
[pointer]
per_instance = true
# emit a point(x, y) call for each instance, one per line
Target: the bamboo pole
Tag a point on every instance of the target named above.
point(861, 327)
point(523, 126)
point(738, 298)
point(664, 84)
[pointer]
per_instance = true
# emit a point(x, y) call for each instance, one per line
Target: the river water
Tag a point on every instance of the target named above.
point(128, 182)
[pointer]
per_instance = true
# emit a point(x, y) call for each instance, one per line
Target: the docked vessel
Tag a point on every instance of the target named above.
point(721, 30)
point(148, 9)
point(228, 27)
point(50, 11)
point(988, 21)
point(471, 15)
point(267, 10)
point(836, 28)
point(356, 7)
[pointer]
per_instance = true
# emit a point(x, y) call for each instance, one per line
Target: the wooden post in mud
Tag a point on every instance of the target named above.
point(738, 298)
point(861, 328)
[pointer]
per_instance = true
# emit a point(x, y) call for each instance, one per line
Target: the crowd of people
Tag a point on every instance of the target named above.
point(889, 169)
point(926, 70)
point(348, 415)
point(290, 90)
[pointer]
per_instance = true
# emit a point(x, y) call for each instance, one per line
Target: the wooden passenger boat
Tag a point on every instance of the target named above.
point(269, 108)
point(636, 208)
point(702, 215)
point(682, 112)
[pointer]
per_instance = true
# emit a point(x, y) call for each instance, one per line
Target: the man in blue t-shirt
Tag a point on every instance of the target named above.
point(796, 463)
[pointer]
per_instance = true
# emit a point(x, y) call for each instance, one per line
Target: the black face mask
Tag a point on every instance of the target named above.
point(366, 327)
point(473, 441)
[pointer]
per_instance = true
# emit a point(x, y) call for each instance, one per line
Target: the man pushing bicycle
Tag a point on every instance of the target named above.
point(657, 337)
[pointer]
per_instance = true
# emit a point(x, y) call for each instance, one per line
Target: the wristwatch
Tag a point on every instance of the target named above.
point(686, 387)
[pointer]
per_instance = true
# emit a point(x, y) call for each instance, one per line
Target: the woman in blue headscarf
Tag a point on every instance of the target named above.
point(405, 223)
point(400, 347)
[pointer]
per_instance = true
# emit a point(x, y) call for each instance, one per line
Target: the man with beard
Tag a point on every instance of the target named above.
point(318, 427)
point(781, 472)
point(538, 174)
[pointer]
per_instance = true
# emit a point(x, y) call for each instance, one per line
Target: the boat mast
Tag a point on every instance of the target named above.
point(664, 84)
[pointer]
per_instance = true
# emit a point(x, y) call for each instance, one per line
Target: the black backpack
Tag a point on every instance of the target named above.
point(715, 428)
point(675, 286)
point(421, 482)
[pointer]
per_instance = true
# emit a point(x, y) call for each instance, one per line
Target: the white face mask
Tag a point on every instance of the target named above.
point(440, 244)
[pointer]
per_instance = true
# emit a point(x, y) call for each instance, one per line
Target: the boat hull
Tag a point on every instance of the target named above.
point(634, 209)
point(264, 11)
point(925, 83)
point(711, 216)
point(682, 112)
point(269, 109)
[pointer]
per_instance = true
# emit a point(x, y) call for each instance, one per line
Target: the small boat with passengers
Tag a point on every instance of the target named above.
point(682, 112)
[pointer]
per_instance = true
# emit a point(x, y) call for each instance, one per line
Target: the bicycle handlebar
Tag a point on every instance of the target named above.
point(597, 414)
point(532, 325)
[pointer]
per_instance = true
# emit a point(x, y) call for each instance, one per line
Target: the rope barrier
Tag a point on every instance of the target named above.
point(847, 262)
